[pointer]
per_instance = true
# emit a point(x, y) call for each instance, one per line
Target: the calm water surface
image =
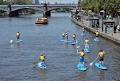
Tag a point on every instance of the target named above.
point(16, 59)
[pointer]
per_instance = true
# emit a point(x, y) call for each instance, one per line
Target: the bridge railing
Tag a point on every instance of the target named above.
point(41, 5)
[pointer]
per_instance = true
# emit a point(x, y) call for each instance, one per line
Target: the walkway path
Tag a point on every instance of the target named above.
point(114, 37)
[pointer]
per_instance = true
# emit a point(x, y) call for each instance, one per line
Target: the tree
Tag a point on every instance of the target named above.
point(110, 6)
point(1, 2)
point(22, 1)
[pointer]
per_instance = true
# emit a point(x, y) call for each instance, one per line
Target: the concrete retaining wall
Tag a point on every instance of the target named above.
point(102, 34)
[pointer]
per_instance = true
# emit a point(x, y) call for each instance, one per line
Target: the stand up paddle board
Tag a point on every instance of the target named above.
point(101, 66)
point(74, 42)
point(96, 39)
point(41, 65)
point(15, 41)
point(67, 41)
point(81, 67)
point(86, 49)
point(18, 41)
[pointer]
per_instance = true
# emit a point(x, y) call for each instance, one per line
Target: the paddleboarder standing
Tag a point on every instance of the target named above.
point(18, 35)
point(66, 36)
point(82, 54)
point(101, 55)
point(74, 37)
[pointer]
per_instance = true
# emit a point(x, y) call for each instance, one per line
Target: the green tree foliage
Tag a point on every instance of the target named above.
point(1, 2)
point(110, 6)
point(21, 2)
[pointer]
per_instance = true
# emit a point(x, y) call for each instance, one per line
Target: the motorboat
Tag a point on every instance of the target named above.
point(41, 21)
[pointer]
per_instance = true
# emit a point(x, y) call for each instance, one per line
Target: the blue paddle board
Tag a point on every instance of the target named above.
point(96, 39)
point(18, 41)
point(62, 40)
point(101, 66)
point(81, 67)
point(67, 41)
point(41, 65)
point(86, 49)
point(74, 42)
point(82, 34)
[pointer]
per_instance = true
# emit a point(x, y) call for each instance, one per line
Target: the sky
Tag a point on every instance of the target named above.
point(59, 1)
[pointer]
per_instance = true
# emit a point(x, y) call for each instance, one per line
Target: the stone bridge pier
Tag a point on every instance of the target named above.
point(12, 13)
point(46, 13)
point(15, 10)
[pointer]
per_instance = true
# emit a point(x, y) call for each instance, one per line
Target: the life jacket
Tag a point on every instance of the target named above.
point(42, 57)
point(82, 54)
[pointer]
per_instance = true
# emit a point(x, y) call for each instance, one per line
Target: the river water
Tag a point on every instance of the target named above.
point(16, 59)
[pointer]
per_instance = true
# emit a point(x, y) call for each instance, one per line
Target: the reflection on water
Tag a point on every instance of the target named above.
point(42, 74)
point(82, 76)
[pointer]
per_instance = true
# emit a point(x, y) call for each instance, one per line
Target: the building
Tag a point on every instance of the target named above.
point(35, 1)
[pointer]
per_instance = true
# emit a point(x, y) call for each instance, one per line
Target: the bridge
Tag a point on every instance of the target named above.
point(13, 10)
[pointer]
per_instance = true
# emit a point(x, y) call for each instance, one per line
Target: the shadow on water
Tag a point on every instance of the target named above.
point(82, 76)
point(101, 75)
point(42, 74)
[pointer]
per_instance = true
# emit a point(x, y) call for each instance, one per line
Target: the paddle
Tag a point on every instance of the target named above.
point(11, 41)
point(93, 62)
point(86, 56)
point(34, 64)
point(78, 48)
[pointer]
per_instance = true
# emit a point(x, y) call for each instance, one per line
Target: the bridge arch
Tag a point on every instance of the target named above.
point(50, 9)
point(25, 8)
point(15, 12)
point(3, 10)
point(14, 9)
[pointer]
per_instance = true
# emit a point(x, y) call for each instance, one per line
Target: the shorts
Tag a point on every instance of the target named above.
point(96, 35)
point(101, 59)
point(81, 59)
point(18, 37)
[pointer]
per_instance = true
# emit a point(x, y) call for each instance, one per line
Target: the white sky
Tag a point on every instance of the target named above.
point(59, 1)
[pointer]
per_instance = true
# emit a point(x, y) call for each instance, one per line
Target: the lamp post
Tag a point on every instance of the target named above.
point(60, 1)
point(45, 1)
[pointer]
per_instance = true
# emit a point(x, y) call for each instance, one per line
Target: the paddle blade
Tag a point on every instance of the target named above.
point(78, 47)
point(11, 41)
point(33, 64)
point(91, 63)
